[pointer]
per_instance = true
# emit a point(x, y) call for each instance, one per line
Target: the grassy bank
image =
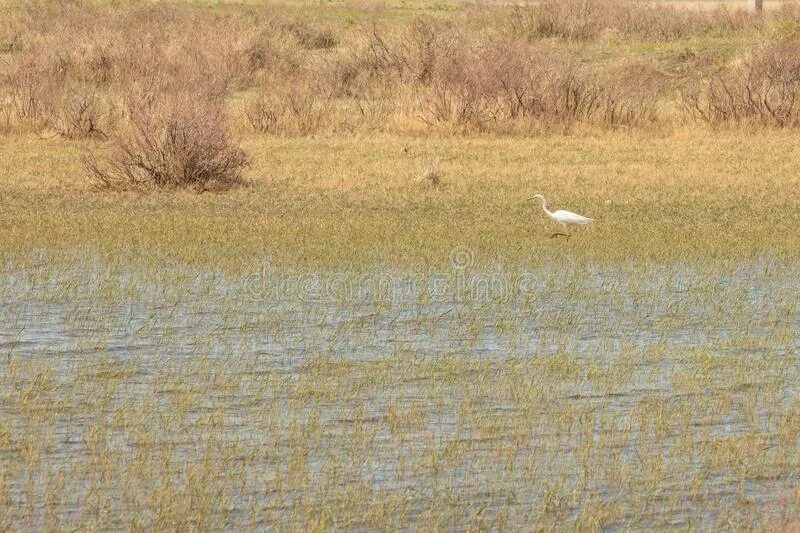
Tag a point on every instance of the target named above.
point(326, 201)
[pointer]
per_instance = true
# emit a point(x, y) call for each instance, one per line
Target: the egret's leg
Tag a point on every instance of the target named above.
point(565, 234)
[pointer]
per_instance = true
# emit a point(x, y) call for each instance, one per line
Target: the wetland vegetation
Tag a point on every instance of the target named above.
point(273, 267)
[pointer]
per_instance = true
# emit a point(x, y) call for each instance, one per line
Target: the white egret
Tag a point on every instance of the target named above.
point(564, 218)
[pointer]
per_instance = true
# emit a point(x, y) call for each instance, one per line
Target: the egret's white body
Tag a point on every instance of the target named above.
point(565, 218)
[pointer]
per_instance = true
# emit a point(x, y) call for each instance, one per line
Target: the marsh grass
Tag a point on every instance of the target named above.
point(178, 140)
point(140, 385)
point(639, 403)
point(683, 196)
point(170, 360)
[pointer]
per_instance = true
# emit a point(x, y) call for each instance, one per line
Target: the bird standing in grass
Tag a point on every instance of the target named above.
point(565, 218)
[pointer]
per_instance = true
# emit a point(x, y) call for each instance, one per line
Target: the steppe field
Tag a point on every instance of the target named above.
point(276, 266)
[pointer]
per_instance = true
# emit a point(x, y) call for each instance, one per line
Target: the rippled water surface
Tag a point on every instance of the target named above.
point(634, 396)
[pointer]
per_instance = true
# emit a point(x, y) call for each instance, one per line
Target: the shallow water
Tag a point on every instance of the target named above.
point(589, 311)
point(664, 322)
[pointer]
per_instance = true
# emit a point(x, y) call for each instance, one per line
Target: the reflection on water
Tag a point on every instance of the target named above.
point(589, 312)
point(611, 341)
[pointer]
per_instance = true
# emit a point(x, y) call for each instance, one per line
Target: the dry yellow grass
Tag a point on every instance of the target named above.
point(332, 200)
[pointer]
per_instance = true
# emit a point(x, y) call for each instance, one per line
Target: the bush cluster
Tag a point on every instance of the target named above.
point(162, 101)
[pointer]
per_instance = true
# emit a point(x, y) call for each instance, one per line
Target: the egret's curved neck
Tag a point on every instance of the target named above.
point(544, 206)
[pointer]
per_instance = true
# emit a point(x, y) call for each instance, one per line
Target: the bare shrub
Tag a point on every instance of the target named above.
point(170, 45)
point(264, 53)
point(569, 19)
point(172, 141)
point(350, 82)
point(413, 53)
point(565, 94)
point(508, 81)
point(553, 88)
point(307, 110)
point(32, 85)
point(631, 93)
point(460, 93)
point(468, 71)
point(86, 55)
point(507, 64)
point(784, 24)
point(586, 20)
point(11, 33)
point(340, 76)
point(288, 111)
point(422, 45)
point(247, 51)
point(446, 102)
point(80, 112)
point(379, 55)
point(375, 107)
point(481, 86)
point(662, 22)
point(311, 35)
point(761, 88)
point(542, 84)
point(303, 107)
point(263, 112)
point(6, 111)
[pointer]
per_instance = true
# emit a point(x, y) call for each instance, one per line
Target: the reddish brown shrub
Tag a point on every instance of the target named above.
point(6, 109)
point(544, 85)
point(375, 107)
point(762, 88)
point(630, 93)
point(584, 20)
point(180, 140)
point(302, 107)
point(311, 35)
point(80, 112)
point(411, 54)
point(462, 91)
point(33, 84)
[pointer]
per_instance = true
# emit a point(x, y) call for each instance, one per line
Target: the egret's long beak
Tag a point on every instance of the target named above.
point(531, 198)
